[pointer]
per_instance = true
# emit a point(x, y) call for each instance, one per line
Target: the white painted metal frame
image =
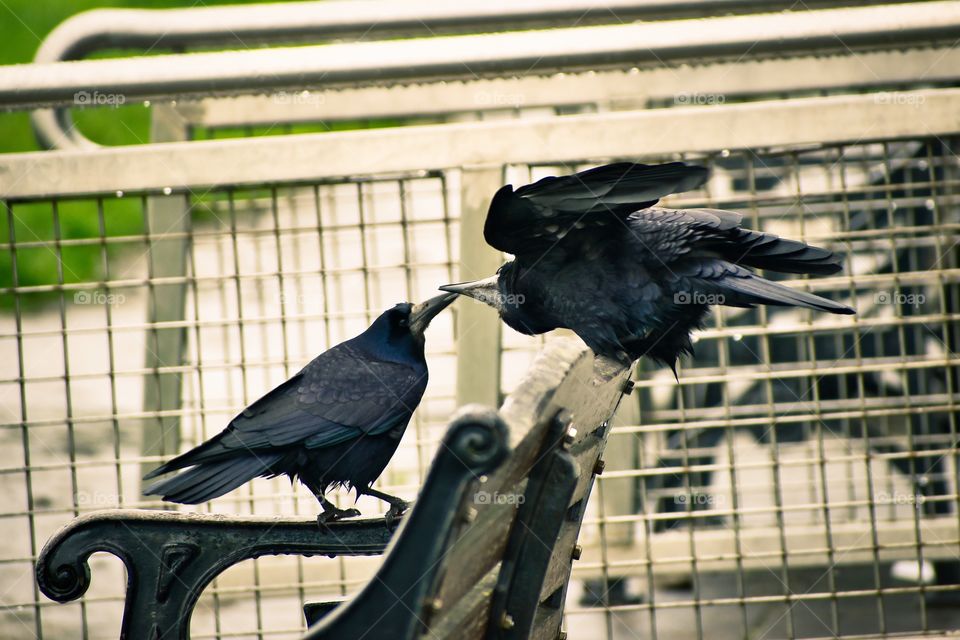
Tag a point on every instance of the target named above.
point(458, 57)
point(719, 82)
point(311, 157)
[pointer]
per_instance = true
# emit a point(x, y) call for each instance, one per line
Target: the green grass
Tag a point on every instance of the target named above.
point(23, 25)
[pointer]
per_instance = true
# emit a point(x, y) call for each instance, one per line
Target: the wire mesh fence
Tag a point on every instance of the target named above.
point(269, 277)
point(801, 478)
point(798, 480)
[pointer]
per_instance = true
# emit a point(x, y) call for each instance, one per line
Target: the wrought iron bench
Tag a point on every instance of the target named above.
point(486, 550)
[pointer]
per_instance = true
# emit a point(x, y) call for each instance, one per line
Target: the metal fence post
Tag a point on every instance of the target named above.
point(619, 495)
point(478, 326)
point(165, 214)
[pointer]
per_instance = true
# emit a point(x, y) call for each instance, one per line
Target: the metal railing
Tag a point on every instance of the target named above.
point(801, 469)
point(496, 98)
point(473, 56)
point(240, 27)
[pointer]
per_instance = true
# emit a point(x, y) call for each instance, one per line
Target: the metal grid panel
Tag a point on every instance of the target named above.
point(275, 273)
point(564, 94)
point(801, 479)
point(271, 277)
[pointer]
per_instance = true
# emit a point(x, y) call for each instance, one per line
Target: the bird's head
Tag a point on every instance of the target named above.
point(487, 291)
point(502, 292)
point(418, 316)
point(399, 331)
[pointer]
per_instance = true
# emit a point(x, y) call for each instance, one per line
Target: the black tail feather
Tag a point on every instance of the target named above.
point(211, 480)
point(767, 251)
point(207, 452)
point(753, 290)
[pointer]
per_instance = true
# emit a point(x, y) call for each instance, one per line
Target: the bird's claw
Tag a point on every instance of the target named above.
point(332, 515)
point(396, 510)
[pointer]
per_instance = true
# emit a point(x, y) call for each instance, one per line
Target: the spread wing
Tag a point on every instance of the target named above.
point(676, 254)
point(709, 234)
point(540, 214)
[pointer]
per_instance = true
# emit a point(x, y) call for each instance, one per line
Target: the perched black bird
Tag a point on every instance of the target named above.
point(336, 423)
point(593, 255)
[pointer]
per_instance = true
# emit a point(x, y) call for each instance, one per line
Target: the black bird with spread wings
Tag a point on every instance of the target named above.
point(335, 423)
point(593, 255)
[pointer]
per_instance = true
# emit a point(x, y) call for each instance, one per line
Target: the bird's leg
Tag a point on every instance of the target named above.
point(397, 505)
point(331, 513)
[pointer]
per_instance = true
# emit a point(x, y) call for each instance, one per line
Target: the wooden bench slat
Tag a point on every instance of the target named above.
point(536, 529)
point(561, 564)
point(586, 453)
point(546, 624)
point(468, 618)
point(477, 551)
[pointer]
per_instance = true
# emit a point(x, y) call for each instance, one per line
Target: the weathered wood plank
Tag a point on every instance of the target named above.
point(546, 623)
point(586, 453)
point(562, 561)
point(583, 402)
point(478, 549)
point(483, 541)
point(468, 617)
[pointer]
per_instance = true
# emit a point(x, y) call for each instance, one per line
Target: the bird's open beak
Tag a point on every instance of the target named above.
point(486, 290)
point(423, 313)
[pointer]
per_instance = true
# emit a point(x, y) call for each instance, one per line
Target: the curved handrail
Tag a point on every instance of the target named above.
point(245, 25)
point(459, 57)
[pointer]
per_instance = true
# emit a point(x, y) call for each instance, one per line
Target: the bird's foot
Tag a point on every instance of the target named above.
point(396, 510)
point(333, 514)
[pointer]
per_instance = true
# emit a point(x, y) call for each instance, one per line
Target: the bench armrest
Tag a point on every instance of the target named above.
point(171, 557)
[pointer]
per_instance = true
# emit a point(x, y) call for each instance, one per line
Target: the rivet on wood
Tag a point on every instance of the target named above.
point(430, 609)
point(577, 552)
point(506, 621)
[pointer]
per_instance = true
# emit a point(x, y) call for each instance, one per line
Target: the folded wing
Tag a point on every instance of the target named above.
point(337, 397)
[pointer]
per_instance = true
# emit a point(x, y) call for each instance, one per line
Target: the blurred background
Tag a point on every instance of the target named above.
point(182, 231)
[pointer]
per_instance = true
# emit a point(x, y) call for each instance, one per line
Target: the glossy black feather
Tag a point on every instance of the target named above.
point(541, 213)
point(336, 422)
point(633, 280)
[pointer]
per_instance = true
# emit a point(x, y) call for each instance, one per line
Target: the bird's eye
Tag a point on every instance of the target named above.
point(404, 322)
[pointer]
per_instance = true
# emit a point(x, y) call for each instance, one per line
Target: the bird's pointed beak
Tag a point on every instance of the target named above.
point(486, 290)
point(423, 313)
